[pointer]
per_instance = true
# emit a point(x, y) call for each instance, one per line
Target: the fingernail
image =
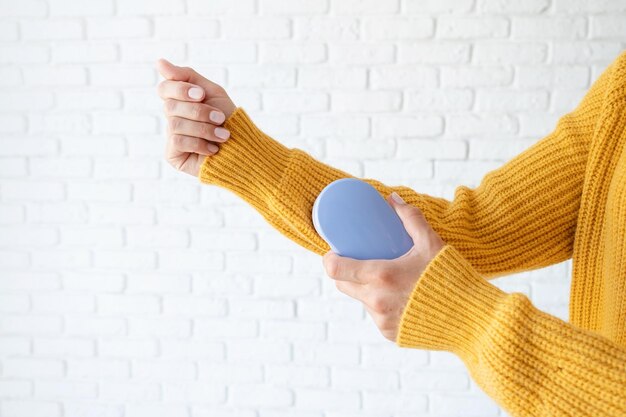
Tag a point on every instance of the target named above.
point(222, 133)
point(397, 198)
point(212, 147)
point(217, 117)
point(195, 93)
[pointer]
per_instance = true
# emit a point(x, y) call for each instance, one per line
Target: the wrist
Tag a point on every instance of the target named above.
point(250, 163)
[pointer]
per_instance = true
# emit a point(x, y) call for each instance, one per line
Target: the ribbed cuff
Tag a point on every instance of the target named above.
point(249, 163)
point(450, 308)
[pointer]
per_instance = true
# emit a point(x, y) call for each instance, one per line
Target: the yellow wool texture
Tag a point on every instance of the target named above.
point(564, 197)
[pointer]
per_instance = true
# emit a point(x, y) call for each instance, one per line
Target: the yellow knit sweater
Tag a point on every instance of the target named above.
point(564, 197)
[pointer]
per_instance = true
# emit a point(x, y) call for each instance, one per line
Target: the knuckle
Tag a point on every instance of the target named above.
point(332, 268)
point(181, 90)
point(389, 335)
point(175, 164)
point(386, 324)
point(196, 112)
point(161, 88)
point(220, 90)
point(178, 140)
point(199, 146)
point(170, 106)
point(174, 123)
point(415, 213)
point(379, 304)
point(385, 276)
point(411, 215)
point(206, 129)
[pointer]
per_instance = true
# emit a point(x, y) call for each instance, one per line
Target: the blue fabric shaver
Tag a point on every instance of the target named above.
point(357, 222)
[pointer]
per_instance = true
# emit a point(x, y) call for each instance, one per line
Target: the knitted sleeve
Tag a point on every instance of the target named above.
point(522, 216)
point(531, 363)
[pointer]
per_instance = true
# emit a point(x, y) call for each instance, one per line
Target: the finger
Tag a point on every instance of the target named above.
point(411, 216)
point(189, 144)
point(382, 323)
point(343, 268)
point(180, 126)
point(170, 71)
point(189, 163)
point(180, 90)
point(199, 112)
point(376, 316)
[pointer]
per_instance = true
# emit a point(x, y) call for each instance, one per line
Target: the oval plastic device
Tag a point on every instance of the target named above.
point(356, 221)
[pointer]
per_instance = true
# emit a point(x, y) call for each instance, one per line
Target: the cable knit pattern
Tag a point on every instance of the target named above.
point(564, 197)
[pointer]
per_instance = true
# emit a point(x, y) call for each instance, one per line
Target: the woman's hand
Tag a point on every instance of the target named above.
point(195, 108)
point(385, 285)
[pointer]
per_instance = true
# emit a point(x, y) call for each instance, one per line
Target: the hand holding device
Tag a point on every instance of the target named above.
point(357, 222)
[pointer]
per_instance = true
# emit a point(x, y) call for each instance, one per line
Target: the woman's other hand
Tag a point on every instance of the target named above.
point(195, 108)
point(385, 285)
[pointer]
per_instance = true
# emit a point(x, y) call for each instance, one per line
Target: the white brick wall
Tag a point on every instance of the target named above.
point(130, 290)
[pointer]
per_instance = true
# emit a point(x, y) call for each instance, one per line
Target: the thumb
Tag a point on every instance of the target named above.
point(173, 72)
point(412, 217)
